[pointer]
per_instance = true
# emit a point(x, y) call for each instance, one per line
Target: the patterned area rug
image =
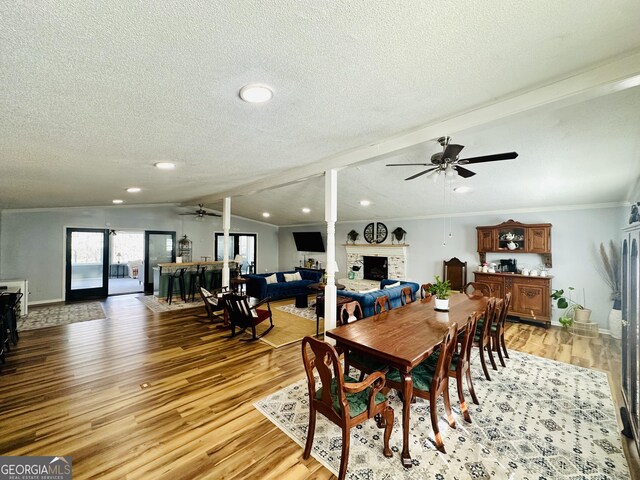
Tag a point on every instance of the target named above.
point(53, 315)
point(309, 313)
point(159, 305)
point(538, 419)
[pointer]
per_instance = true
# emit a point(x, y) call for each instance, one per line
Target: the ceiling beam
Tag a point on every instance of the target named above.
point(615, 75)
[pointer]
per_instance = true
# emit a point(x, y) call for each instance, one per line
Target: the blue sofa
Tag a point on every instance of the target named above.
point(368, 299)
point(257, 285)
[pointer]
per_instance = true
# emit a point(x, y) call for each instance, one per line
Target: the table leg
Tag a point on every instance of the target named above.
point(407, 394)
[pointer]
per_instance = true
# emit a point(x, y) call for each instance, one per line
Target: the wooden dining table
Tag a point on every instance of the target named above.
point(403, 338)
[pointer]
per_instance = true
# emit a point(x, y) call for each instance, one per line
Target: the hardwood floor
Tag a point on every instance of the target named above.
point(144, 395)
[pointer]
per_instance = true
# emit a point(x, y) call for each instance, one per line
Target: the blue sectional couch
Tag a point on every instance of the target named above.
point(257, 285)
point(368, 299)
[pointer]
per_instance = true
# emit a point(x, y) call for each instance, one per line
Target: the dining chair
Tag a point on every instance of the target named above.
point(343, 400)
point(406, 296)
point(431, 383)
point(243, 316)
point(477, 290)
point(348, 312)
point(425, 291)
point(213, 301)
point(382, 304)
point(455, 271)
point(461, 363)
point(482, 339)
point(497, 331)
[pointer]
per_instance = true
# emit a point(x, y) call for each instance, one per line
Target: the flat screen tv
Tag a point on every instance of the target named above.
point(308, 241)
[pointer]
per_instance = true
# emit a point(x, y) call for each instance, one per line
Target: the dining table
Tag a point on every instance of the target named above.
point(404, 337)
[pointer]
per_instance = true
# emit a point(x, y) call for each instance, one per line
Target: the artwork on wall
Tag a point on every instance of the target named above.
point(375, 232)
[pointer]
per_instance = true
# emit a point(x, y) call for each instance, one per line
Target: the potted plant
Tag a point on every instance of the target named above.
point(573, 310)
point(353, 236)
point(441, 288)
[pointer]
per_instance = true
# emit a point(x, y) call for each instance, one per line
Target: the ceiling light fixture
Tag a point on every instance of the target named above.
point(306, 210)
point(461, 189)
point(255, 93)
point(266, 214)
point(133, 189)
point(365, 203)
point(117, 201)
point(165, 165)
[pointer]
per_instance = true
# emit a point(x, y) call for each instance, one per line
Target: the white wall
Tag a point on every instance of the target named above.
point(575, 237)
point(32, 242)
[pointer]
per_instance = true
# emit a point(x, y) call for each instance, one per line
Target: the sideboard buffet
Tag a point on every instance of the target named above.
point(530, 295)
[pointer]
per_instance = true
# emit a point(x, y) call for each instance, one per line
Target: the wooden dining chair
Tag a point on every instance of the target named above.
point(350, 312)
point(455, 271)
point(342, 399)
point(425, 292)
point(497, 331)
point(461, 363)
point(431, 383)
point(382, 304)
point(482, 339)
point(406, 296)
point(477, 290)
point(243, 316)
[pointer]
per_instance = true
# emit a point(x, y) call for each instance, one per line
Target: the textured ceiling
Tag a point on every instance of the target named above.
point(93, 93)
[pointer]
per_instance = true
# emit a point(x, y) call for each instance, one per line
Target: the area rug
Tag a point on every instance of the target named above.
point(291, 324)
point(159, 305)
point(538, 419)
point(53, 315)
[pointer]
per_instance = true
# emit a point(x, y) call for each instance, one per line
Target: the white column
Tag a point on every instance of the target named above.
point(226, 226)
point(330, 215)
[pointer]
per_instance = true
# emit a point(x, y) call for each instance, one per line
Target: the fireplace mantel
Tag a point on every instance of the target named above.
point(396, 256)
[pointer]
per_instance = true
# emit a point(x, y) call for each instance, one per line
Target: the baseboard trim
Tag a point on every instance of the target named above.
point(44, 302)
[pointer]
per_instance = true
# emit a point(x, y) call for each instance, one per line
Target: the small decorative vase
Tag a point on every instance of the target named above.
point(582, 315)
point(615, 323)
point(442, 305)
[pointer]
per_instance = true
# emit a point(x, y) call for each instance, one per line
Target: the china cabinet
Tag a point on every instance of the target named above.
point(515, 237)
point(631, 331)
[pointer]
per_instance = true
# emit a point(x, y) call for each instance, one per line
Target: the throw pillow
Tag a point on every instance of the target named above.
point(292, 277)
point(397, 284)
point(271, 279)
point(369, 290)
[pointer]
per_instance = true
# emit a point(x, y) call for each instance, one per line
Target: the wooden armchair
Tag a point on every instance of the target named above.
point(429, 383)
point(243, 316)
point(476, 290)
point(342, 399)
point(497, 330)
point(406, 296)
point(382, 304)
point(213, 302)
point(455, 271)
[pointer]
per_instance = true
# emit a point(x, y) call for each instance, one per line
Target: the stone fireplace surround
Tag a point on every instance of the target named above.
point(396, 258)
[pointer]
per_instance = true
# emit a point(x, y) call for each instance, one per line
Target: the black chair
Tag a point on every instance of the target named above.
point(196, 281)
point(243, 316)
point(179, 276)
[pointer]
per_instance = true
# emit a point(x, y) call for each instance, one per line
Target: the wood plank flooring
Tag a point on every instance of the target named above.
point(145, 395)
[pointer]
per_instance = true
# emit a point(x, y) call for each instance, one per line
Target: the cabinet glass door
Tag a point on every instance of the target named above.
point(87, 261)
point(159, 248)
point(512, 239)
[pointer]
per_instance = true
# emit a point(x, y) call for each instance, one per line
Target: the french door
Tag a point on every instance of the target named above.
point(159, 247)
point(245, 244)
point(87, 264)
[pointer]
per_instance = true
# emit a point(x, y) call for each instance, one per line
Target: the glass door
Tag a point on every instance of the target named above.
point(87, 262)
point(159, 247)
point(244, 244)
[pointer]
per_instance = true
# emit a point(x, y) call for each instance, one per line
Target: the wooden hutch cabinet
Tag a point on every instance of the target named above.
point(530, 296)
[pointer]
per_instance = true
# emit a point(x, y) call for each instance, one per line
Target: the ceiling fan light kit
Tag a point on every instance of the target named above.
point(200, 213)
point(448, 162)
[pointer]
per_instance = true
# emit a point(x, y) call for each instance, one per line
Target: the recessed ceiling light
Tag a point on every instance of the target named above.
point(165, 165)
point(266, 214)
point(133, 189)
point(117, 201)
point(255, 93)
point(461, 189)
point(306, 210)
point(365, 203)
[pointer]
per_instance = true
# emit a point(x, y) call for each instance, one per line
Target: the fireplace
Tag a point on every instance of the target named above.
point(375, 268)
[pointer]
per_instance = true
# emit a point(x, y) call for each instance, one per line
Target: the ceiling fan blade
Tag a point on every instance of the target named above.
point(407, 164)
point(489, 158)
point(421, 173)
point(212, 214)
point(188, 213)
point(463, 172)
point(452, 151)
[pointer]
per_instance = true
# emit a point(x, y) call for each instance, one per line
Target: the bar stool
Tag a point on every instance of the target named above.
point(196, 281)
point(12, 318)
point(179, 275)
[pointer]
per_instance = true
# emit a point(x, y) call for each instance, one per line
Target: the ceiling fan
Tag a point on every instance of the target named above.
point(201, 212)
point(448, 162)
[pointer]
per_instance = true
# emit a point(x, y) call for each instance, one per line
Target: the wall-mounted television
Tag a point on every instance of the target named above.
point(308, 241)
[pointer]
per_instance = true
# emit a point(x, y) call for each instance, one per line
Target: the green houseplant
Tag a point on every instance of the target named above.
point(441, 289)
point(569, 305)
